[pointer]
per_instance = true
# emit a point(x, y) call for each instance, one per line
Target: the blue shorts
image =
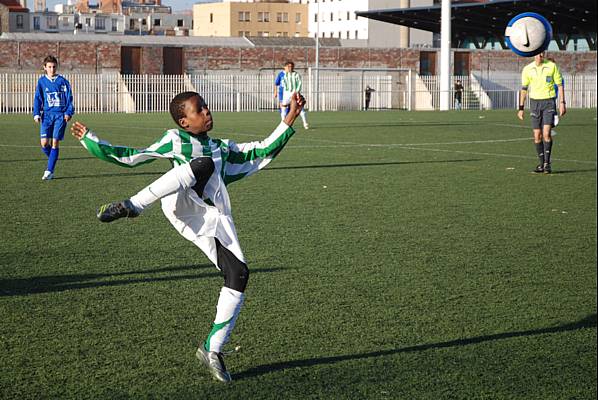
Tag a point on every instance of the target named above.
point(53, 126)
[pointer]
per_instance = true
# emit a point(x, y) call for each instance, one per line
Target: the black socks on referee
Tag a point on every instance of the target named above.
point(540, 152)
point(547, 151)
point(543, 149)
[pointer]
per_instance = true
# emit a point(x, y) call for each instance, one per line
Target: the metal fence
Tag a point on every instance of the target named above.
point(326, 90)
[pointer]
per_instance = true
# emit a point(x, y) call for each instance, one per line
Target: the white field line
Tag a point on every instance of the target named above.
point(407, 146)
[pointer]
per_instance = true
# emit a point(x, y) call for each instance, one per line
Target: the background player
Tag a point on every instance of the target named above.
point(291, 84)
point(53, 107)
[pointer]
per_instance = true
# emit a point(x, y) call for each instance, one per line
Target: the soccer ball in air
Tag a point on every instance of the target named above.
point(528, 34)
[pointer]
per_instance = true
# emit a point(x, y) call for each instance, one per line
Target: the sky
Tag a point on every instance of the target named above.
point(176, 5)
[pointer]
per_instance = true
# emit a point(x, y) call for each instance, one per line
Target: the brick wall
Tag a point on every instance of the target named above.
point(92, 57)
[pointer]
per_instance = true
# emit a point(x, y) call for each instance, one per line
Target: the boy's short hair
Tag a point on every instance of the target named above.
point(177, 108)
point(50, 59)
point(289, 63)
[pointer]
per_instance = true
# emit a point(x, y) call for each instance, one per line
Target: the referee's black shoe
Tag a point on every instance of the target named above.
point(547, 169)
point(120, 209)
point(539, 169)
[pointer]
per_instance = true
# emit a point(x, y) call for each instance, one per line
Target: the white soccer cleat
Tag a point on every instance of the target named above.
point(305, 126)
point(47, 176)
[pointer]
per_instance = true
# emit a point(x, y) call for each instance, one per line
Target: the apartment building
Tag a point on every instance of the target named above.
point(337, 19)
point(14, 16)
point(273, 18)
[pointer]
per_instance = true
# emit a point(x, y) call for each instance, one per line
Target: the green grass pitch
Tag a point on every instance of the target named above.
point(394, 255)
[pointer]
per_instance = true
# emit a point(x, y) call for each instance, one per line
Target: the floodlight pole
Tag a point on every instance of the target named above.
point(445, 55)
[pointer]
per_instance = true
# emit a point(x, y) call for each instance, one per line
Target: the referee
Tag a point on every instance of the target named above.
point(539, 79)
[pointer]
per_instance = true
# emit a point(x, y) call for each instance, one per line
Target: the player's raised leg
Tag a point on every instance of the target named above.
point(192, 175)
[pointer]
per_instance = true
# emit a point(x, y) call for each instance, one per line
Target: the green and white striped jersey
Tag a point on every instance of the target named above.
point(233, 160)
point(200, 220)
point(291, 82)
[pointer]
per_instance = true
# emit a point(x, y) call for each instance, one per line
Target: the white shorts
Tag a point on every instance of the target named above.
point(286, 98)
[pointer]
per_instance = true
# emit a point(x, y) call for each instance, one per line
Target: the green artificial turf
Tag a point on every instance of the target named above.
point(393, 255)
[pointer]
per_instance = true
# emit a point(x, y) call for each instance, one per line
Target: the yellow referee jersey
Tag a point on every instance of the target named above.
point(539, 80)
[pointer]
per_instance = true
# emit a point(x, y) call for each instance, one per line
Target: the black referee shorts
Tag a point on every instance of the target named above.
point(542, 112)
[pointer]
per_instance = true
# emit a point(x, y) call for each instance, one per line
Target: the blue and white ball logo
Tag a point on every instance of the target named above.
point(528, 34)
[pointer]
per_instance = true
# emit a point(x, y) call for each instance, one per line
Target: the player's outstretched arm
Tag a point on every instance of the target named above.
point(296, 105)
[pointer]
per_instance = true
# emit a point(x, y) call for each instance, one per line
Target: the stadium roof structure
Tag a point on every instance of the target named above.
point(483, 22)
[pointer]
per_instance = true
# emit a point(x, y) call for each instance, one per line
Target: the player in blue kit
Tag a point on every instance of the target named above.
point(53, 108)
point(278, 91)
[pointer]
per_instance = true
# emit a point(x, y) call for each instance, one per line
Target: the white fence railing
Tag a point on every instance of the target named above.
point(254, 91)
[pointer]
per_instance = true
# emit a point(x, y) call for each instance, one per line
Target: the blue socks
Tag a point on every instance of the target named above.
point(46, 150)
point(52, 158)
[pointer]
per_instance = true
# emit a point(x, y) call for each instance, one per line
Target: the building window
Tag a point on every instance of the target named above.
point(52, 22)
point(263, 34)
point(315, 17)
point(263, 17)
point(282, 17)
point(20, 21)
point(331, 17)
point(36, 26)
point(285, 34)
point(297, 18)
point(157, 22)
point(65, 22)
point(101, 24)
point(278, 34)
point(348, 15)
point(347, 34)
point(180, 23)
point(356, 35)
point(244, 16)
point(114, 24)
point(296, 34)
point(211, 18)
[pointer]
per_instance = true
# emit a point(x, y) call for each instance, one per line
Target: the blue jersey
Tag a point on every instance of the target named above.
point(278, 83)
point(53, 95)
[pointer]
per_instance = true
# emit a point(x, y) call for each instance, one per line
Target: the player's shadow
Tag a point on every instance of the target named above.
point(60, 283)
point(112, 175)
point(373, 164)
point(587, 322)
point(572, 171)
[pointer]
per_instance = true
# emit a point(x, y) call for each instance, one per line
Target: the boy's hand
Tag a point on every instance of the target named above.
point(296, 106)
point(37, 119)
point(78, 130)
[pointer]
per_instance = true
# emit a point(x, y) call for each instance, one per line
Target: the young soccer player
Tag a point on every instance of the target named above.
point(53, 108)
point(291, 84)
point(278, 93)
point(195, 199)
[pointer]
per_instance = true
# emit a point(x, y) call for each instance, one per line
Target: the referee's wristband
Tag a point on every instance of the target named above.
point(520, 108)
